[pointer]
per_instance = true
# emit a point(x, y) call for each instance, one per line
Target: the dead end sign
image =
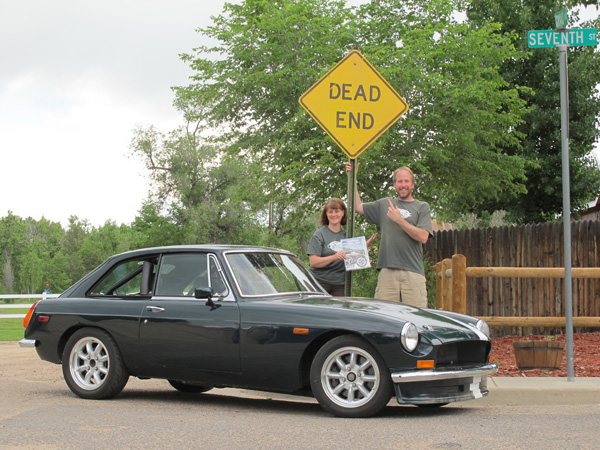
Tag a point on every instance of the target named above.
point(353, 103)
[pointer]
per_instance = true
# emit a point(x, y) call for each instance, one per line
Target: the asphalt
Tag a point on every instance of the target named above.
point(504, 391)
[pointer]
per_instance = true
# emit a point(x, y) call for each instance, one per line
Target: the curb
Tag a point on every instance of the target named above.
point(522, 391)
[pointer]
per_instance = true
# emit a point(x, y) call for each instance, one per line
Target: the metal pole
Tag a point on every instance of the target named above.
point(350, 222)
point(564, 132)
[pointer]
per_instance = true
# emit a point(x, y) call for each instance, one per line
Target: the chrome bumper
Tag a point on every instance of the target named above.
point(27, 343)
point(431, 375)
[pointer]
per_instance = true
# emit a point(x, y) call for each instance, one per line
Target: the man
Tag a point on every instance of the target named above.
point(405, 225)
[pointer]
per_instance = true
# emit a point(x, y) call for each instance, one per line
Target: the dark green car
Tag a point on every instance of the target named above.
point(205, 317)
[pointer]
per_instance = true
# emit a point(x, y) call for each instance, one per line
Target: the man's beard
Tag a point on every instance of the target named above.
point(403, 194)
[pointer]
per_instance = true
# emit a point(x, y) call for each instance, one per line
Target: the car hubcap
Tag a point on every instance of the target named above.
point(350, 377)
point(89, 363)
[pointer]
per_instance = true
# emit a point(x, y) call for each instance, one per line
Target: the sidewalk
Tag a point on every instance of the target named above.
point(504, 391)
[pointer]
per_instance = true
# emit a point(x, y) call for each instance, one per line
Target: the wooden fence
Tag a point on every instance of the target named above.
point(451, 292)
point(531, 246)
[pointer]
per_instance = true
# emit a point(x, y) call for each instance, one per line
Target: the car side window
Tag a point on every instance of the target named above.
point(180, 274)
point(129, 278)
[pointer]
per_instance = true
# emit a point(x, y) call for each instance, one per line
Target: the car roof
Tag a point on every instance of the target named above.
point(217, 248)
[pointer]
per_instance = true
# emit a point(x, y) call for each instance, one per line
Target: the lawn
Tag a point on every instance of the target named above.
point(11, 329)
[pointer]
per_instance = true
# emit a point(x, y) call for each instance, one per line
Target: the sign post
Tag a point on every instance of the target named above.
point(355, 105)
point(563, 38)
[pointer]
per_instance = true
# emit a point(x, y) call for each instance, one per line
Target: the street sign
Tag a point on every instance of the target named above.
point(552, 38)
point(353, 103)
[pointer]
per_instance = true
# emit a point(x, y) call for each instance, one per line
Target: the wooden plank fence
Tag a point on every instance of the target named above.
point(512, 295)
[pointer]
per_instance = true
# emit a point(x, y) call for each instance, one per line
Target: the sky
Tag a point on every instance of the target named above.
point(77, 78)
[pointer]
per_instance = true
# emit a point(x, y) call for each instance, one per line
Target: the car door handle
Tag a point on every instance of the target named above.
point(154, 308)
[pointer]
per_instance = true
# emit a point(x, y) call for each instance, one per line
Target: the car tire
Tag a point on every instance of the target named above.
point(360, 387)
point(361, 261)
point(92, 365)
point(189, 388)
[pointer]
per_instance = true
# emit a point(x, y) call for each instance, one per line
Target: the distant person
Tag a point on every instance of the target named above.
point(325, 248)
point(405, 225)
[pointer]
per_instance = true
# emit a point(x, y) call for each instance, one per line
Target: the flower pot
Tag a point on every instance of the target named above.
point(539, 354)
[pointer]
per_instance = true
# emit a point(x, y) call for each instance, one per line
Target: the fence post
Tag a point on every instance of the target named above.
point(459, 284)
point(446, 284)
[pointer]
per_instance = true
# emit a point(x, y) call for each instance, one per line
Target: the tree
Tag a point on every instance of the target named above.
point(538, 70)
point(463, 114)
point(210, 198)
point(12, 247)
point(74, 238)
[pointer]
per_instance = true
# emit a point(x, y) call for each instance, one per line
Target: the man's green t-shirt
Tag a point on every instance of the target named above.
point(397, 249)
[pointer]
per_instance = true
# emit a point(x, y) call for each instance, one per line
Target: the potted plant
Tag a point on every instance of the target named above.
point(544, 354)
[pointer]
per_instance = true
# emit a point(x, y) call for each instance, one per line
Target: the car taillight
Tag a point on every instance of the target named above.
point(28, 315)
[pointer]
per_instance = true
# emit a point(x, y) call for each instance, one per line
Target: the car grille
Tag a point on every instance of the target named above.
point(463, 353)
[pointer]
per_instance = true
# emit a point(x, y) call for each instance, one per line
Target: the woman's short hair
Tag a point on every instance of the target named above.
point(333, 203)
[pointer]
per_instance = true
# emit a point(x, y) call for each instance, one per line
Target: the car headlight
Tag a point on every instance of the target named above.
point(409, 336)
point(483, 327)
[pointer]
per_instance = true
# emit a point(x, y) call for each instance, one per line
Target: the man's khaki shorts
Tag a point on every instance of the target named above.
point(402, 286)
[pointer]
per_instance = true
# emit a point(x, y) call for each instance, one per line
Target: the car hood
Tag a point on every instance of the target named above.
point(430, 323)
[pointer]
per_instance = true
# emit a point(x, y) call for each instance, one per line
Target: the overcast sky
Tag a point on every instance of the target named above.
point(77, 78)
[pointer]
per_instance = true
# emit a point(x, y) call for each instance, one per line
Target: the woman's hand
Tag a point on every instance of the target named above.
point(371, 239)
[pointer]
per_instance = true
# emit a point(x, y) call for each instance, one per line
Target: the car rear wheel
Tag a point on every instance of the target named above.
point(189, 388)
point(92, 365)
point(349, 378)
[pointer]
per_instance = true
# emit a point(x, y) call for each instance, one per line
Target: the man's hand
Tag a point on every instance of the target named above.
point(418, 234)
point(394, 213)
point(348, 165)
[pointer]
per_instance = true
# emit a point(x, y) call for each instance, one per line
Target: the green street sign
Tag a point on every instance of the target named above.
point(572, 38)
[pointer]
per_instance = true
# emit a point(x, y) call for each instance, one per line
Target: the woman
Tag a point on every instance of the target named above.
point(325, 248)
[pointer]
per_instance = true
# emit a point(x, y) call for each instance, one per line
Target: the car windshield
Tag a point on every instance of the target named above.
point(262, 273)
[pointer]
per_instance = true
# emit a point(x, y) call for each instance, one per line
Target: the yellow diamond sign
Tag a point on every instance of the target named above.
point(354, 104)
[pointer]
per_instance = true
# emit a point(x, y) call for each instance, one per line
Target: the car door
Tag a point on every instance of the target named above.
point(179, 333)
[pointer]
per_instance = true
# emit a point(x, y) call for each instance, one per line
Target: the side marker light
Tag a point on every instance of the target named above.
point(425, 364)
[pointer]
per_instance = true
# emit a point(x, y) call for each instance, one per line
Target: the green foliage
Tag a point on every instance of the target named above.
point(431, 280)
point(539, 71)
point(462, 116)
point(471, 220)
point(210, 197)
point(39, 255)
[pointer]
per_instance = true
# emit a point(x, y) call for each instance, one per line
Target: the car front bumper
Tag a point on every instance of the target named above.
point(430, 386)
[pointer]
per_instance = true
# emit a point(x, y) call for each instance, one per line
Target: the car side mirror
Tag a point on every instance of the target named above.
point(204, 292)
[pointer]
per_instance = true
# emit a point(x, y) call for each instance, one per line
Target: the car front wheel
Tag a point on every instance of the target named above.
point(349, 378)
point(92, 365)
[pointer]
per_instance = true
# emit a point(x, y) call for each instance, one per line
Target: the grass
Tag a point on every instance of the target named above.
point(11, 329)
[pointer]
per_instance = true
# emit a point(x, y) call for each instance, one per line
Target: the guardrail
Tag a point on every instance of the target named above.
point(42, 296)
point(451, 290)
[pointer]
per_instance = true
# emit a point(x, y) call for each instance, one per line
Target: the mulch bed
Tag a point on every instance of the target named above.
point(586, 356)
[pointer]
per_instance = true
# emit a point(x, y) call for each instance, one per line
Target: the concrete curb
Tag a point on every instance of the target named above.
point(508, 391)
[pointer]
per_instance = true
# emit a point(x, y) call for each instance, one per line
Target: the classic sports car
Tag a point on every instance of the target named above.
point(205, 317)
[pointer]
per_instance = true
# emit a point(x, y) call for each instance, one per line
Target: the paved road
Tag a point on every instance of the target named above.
point(37, 411)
